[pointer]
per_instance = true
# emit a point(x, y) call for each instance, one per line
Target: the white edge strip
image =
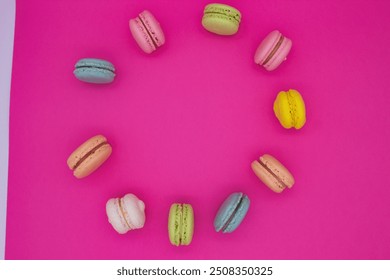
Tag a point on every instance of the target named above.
point(7, 27)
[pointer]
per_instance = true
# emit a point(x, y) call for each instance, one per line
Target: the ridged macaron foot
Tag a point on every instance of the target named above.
point(232, 212)
point(289, 109)
point(89, 156)
point(181, 224)
point(221, 19)
point(273, 50)
point(147, 32)
point(126, 213)
point(272, 173)
point(94, 70)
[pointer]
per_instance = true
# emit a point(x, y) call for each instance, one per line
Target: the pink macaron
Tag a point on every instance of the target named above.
point(147, 32)
point(273, 50)
point(272, 173)
point(126, 213)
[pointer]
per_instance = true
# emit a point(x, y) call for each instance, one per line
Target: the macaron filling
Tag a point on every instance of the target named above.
point(281, 184)
point(236, 209)
point(124, 213)
point(147, 31)
point(95, 67)
point(91, 152)
point(293, 108)
point(225, 11)
point(92, 65)
point(178, 224)
point(274, 50)
point(224, 14)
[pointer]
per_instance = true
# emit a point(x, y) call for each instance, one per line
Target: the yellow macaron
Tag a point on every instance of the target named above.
point(290, 109)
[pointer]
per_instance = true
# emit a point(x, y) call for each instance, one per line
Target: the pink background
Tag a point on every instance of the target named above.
point(186, 122)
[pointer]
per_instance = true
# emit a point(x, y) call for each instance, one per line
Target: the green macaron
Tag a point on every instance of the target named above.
point(181, 224)
point(221, 19)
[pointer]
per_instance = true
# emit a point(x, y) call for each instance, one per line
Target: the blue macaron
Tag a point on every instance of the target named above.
point(232, 212)
point(93, 70)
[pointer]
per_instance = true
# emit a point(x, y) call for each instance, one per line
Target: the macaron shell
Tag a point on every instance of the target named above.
point(174, 223)
point(238, 216)
point(278, 169)
point(134, 210)
point(141, 36)
point(299, 109)
point(266, 177)
point(219, 24)
point(282, 110)
point(92, 162)
point(94, 75)
point(223, 9)
point(115, 216)
point(266, 46)
point(95, 62)
point(188, 224)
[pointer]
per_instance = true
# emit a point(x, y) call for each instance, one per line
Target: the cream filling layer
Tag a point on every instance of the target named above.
point(227, 223)
point(147, 30)
point(224, 14)
point(89, 154)
point(274, 50)
point(124, 213)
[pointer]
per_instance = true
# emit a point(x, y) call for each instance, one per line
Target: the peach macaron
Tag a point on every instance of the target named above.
point(273, 173)
point(89, 156)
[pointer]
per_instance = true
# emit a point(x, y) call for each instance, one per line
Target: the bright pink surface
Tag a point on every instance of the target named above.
point(186, 122)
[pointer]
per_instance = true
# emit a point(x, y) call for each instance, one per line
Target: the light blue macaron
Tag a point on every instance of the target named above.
point(231, 213)
point(93, 70)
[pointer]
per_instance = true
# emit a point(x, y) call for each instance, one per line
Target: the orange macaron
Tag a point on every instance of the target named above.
point(89, 156)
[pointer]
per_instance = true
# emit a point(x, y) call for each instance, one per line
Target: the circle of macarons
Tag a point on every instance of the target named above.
point(289, 109)
point(273, 50)
point(272, 173)
point(89, 156)
point(126, 213)
point(221, 19)
point(147, 32)
point(94, 70)
point(181, 224)
point(232, 212)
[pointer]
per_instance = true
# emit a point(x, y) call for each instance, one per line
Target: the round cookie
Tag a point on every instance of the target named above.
point(273, 50)
point(272, 173)
point(89, 156)
point(126, 213)
point(289, 109)
point(231, 213)
point(181, 224)
point(221, 19)
point(94, 70)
